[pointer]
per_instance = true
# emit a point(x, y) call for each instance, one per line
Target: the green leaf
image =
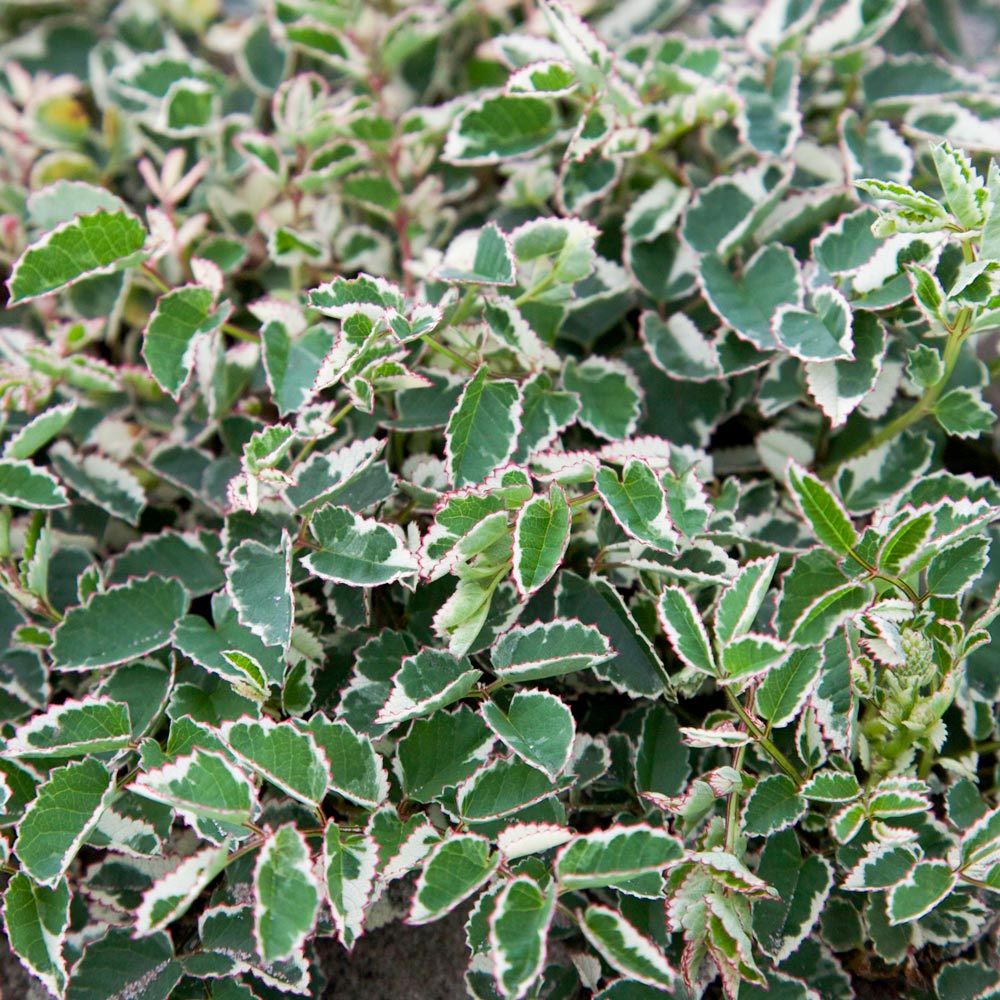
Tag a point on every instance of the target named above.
point(203, 786)
point(282, 755)
point(502, 787)
point(615, 856)
point(357, 550)
point(824, 512)
point(38, 432)
point(356, 771)
point(751, 655)
point(172, 895)
point(454, 870)
point(73, 729)
point(331, 476)
point(350, 862)
point(610, 395)
point(169, 338)
point(551, 649)
point(685, 630)
point(819, 334)
point(119, 967)
point(638, 504)
point(441, 751)
point(26, 485)
point(101, 242)
point(292, 363)
point(964, 190)
point(963, 412)
point(773, 805)
point(500, 128)
point(492, 258)
point(427, 681)
point(661, 760)
point(926, 885)
point(258, 578)
point(193, 559)
point(770, 280)
point(625, 949)
point(545, 413)
point(742, 599)
point(519, 927)
point(101, 481)
point(541, 534)
point(36, 919)
point(803, 885)
point(66, 808)
point(952, 571)
point(679, 348)
point(832, 786)
point(537, 726)
point(483, 428)
point(92, 635)
point(286, 895)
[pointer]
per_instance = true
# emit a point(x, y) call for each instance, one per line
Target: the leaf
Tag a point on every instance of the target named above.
point(773, 805)
point(483, 428)
point(501, 787)
point(751, 655)
point(37, 433)
point(332, 476)
point(685, 630)
point(292, 363)
point(356, 771)
point(118, 967)
point(427, 681)
point(101, 242)
point(454, 870)
point(499, 128)
point(92, 635)
point(963, 413)
point(170, 336)
point(803, 885)
point(282, 755)
point(824, 512)
point(203, 785)
point(926, 885)
point(742, 599)
point(537, 726)
point(679, 348)
point(545, 412)
point(172, 895)
point(519, 926)
point(66, 808)
point(964, 190)
point(819, 334)
point(258, 579)
point(350, 862)
point(492, 260)
point(661, 761)
point(625, 949)
point(551, 649)
point(193, 559)
point(286, 895)
point(610, 395)
point(952, 571)
point(770, 280)
point(541, 534)
point(36, 919)
point(72, 729)
point(355, 550)
point(615, 856)
point(638, 504)
point(101, 481)
point(27, 485)
point(832, 786)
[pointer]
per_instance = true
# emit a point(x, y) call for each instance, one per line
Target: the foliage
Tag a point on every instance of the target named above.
point(543, 457)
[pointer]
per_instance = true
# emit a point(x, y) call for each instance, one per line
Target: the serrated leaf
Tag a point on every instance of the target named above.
point(751, 655)
point(66, 808)
point(824, 512)
point(281, 754)
point(625, 949)
point(964, 190)
point(502, 787)
point(36, 919)
point(169, 339)
point(37, 433)
point(638, 504)
point(92, 635)
point(258, 578)
point(350, 863)
point(27, 485)
point(679, 348)
point(832, 786)
point(963, 412)
point(519, 927)
point(483, 429)
point(101, 481)
point(98, 243)
point(286, 895)
point(545, 412)
point(332, 476)
point(355, 550)
point(356, 770)
point(821, 333)
point(742, 599)
point(500, 128)
point(684, 628)
point(541, 534)
point(609, 393)
point(773, 805)
point(615, 856)
point(427, 681)
point(537, 726)
point(951, 572)
point(193, 559)
point(549, 649)
point(491, 263)
point(119, 967)
point(72, 729)
point(454, 870)
point(172, 895)
point(292, 363)
point(926, 885)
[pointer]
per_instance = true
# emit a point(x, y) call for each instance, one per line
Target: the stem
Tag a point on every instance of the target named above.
point(733, 806)
point(758, 734)
point(5, 518)
point(876, 573)
point(584, 499)
point(240, 334)
point(449, 353)
point(156, 277)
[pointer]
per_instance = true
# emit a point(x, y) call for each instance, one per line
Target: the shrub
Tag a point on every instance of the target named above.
point(542, 457)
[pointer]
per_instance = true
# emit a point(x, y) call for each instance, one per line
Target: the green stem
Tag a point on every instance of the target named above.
point(240, 334)
point(429, 340)
point(758, 734)
point(156, 277)
point(875, 572)
point(584, 499)
point(733, 806)
point(5, 519)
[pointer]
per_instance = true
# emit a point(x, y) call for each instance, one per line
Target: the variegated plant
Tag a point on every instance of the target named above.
point(539, 451)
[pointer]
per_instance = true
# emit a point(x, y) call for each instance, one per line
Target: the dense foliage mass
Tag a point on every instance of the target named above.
point(534, 449)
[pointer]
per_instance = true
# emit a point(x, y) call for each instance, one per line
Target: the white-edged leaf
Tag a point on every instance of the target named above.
point(521, 839)
point(36, 919)
point(519, 927)
point(356, 770)
point(614, 856)
point(625, 949)
point(482, 257)
point(549, 649)
point(751, 655)
point(172, 895)
point(685, 630)
point(742, 599)
point(258, 579)
point(638, 503)
point(824, 512)
point(454, 870)
point(25, 484)
point(537, 726)
point(71, 729)
point(427, 681)
point(350, 863)
point(610, 396)
point(100, 480)
point(774, 804)
point(501, 787)
point(541, 534)
point(926, 885)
